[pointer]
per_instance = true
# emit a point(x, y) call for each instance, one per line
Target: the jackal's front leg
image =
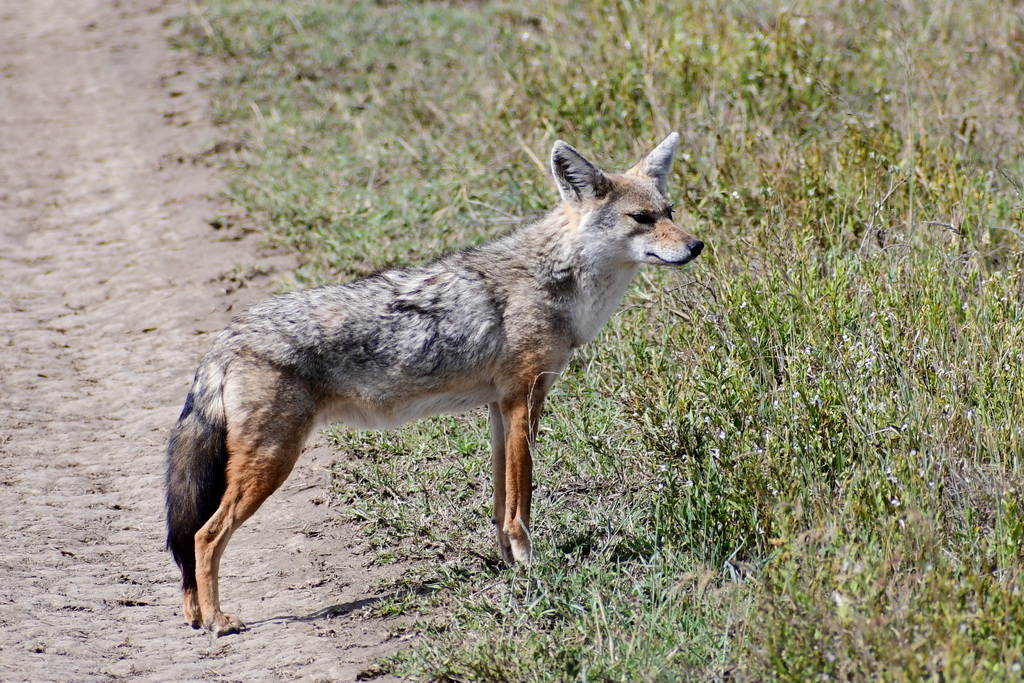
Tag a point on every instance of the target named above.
point(498, 471)
point(519, 426)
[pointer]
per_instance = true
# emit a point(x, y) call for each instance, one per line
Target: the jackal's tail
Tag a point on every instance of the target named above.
point(196, 466)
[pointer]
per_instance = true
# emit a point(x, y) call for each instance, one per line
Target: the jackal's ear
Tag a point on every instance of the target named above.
point(576, 177)
point(658, 162)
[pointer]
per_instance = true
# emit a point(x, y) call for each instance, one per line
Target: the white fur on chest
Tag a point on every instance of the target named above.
point(597, 301)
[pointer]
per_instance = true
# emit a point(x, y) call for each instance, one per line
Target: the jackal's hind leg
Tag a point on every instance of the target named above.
point(260, 457)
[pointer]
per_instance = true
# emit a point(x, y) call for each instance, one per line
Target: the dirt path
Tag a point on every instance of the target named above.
point(112, 285)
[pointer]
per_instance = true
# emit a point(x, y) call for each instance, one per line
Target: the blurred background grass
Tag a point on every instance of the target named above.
point(799, 459)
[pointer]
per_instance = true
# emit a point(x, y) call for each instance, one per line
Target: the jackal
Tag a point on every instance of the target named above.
point(491, 325)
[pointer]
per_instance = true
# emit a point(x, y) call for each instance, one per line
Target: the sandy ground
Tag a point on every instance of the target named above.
point(112, 284)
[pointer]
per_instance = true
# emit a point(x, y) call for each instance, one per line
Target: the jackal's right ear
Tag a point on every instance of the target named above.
point(657, 164)
point(576, 177)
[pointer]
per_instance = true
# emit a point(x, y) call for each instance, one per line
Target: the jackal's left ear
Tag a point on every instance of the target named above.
point(658, 162)
point(576, 177)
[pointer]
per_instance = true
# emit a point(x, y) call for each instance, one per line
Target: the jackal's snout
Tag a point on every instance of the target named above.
point(693, 248)
point(671, 247)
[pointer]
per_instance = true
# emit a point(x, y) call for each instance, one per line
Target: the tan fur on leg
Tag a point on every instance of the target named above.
point(518, 479)
point(498, 471)
point(263, 446)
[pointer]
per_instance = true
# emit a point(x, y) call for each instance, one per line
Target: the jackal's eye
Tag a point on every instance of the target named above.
point(669, 211)
point(643, 217)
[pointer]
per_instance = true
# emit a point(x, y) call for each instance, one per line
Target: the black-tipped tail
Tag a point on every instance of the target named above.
point(196, 474)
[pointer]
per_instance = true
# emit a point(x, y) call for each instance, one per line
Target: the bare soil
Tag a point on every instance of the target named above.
point(112, 285)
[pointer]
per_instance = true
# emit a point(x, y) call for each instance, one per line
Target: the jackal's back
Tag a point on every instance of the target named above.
point(390, 331)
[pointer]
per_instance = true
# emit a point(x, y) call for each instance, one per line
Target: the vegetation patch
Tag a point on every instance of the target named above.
point(798, 459)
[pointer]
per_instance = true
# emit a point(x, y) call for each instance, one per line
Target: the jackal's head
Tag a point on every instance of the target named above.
point(625, 216)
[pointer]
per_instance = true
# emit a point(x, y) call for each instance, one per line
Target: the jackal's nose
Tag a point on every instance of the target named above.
point(695, 248)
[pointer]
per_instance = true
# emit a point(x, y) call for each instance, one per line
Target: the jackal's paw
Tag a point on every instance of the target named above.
point(190, 608)
point(226, 624)
point(519, 540)
point(505, 547)
point(522, 552)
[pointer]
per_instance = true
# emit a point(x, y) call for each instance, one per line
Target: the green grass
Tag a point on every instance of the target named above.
point(799, 459)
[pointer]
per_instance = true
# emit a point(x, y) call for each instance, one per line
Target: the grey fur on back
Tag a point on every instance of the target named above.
point(404, 327)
